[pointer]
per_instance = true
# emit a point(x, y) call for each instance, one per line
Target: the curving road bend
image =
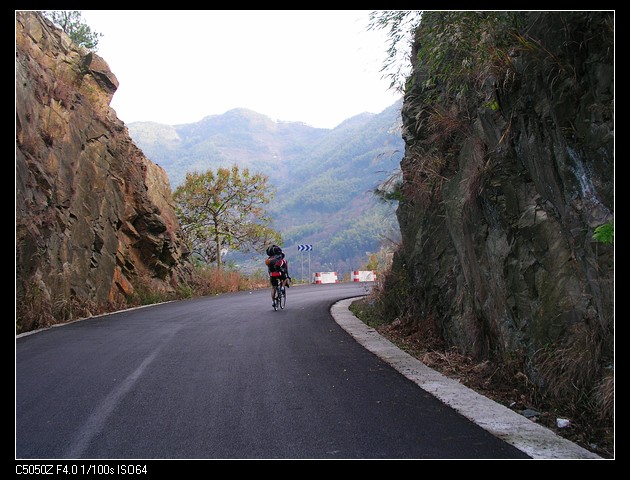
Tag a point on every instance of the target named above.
point(227, 377)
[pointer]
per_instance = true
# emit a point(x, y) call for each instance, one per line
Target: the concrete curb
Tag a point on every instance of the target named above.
point(531, 438)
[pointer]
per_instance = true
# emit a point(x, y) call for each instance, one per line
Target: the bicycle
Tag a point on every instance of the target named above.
point(280, 297)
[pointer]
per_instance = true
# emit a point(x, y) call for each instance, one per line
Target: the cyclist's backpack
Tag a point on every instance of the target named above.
point(276, 263)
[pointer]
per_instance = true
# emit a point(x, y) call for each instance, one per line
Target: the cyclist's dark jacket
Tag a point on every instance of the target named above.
point(284, 268)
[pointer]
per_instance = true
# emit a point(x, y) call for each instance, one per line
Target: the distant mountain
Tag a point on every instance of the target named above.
point(323, 178)
point(238, 136)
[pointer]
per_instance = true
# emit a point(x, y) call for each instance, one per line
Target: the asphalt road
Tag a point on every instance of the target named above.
point(227, 377)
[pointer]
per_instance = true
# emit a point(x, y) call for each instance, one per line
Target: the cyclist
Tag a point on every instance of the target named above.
point(278, 268)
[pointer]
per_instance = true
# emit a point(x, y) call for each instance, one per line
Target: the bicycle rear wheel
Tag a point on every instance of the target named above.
point(277, 296)
point(283, 297)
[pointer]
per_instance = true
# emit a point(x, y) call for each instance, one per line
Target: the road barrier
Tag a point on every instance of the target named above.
point(364, 276)
point(325, 277)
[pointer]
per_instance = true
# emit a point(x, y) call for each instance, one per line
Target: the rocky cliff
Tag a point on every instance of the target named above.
point(508, 169)
point(94, 220)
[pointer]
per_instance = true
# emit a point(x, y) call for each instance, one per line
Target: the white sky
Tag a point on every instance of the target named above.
point(179, 66)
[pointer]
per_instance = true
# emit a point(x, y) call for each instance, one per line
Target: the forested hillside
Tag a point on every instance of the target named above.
point(324, 179)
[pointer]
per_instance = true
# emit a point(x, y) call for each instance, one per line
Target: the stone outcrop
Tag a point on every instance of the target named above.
point(504, 182)
point(94, 219)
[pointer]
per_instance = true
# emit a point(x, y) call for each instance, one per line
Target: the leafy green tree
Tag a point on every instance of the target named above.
point(224, 209)
point(71, 22)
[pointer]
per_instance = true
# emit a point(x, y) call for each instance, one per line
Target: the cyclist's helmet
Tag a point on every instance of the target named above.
point(273, 250)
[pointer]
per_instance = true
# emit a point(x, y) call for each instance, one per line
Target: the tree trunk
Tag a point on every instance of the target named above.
point(217, 241)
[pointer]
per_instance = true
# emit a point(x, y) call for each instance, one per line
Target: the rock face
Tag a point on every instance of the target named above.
point(93, 215)
point(504, 183)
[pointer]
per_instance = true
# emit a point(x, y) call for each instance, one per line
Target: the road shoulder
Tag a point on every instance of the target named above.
point(531, 438)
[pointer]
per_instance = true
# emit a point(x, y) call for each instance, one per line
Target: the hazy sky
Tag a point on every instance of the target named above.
point(179, 66)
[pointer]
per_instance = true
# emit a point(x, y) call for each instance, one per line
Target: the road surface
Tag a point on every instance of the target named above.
point(227, 377)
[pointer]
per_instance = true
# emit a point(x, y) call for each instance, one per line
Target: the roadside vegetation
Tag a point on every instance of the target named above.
point(36, 311)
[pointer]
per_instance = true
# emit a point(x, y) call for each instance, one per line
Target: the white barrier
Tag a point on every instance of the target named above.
point(325, 277)
point(364, 276)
